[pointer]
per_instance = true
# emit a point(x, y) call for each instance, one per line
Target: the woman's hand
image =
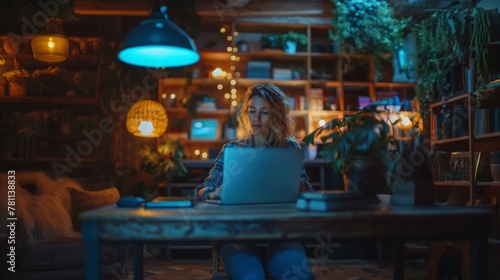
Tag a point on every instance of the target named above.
point(215, 194)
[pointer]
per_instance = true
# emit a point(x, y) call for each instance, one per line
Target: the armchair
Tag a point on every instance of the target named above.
point(48, 244)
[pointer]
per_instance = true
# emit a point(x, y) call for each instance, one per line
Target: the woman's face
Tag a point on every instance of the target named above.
point(258, 116)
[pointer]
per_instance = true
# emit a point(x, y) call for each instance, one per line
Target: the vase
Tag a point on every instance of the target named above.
point(17, 87)
point(366, 174)
point(290, 47)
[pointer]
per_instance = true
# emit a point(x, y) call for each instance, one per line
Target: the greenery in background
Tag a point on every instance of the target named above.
point(444, 37)
point(271, 41)
point(367, 27)
point(299, 38)
point(163, 163)
point(480, 38)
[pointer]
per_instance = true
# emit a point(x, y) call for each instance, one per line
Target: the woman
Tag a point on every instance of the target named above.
point(264, 119)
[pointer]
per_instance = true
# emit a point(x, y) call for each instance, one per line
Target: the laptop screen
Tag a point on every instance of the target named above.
point(261, 175)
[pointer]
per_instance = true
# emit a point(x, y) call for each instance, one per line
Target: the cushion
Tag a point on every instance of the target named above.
point(83, 200)
point(51, 218)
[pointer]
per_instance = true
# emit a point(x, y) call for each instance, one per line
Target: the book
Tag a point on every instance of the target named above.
point(330, 205)
point(331, 195)
point(330, 200)
point(170, 202)
point(479, 123)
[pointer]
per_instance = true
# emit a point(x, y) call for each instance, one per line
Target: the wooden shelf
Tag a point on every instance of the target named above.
point(49, 100)
point(451, 184)
point(452, 140)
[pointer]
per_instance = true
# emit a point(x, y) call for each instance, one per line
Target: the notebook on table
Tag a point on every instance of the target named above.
point(260, 175)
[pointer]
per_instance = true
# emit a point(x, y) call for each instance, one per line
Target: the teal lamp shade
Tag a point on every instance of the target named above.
point(159, 43)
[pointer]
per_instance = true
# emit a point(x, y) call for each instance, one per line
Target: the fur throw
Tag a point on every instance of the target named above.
point(43, 205)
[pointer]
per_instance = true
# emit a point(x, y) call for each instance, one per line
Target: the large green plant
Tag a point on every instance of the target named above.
point(363, 133)
point(367, 27)
point(164, 162)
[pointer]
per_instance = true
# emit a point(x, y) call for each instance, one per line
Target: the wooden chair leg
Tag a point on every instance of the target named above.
point(436, 251)
point(215, 260)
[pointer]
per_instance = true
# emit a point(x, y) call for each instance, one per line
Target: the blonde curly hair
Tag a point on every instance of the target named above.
point(281, 124)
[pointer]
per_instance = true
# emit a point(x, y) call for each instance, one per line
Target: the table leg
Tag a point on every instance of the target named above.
point(399, 260)
point(479, 258)
point(138, 261)
point(90, 236)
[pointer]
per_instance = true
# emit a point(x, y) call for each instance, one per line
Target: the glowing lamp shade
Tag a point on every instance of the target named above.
point(158, 43)
point(51, 45)
point(147, 118)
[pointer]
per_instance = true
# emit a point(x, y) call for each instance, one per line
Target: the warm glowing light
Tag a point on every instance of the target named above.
point(217, 73)
point(235, 33)
point(237, 58)
point(146, 128)
point(229, 38)
point(406, 121)
point(235, 49)
point(233, 67)
point(234, 103)
point(164, 96)
point(233, 96)
point(321, 122)
point(147, 118)
point(197, 152)
point(233, 57)
point(233, 82)
point(172, 96)
point(220, 86)
point(204, 155)
point(237, 74)
point(227, 95)
point(222, 30)
point(233, 90)
point(229, 49)
point(50, 48)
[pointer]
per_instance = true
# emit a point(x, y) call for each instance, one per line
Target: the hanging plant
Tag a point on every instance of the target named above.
point(367, 27)
point(440, 36)
point(480, 38)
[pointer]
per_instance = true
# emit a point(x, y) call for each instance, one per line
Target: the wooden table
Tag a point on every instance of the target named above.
point(207, 222)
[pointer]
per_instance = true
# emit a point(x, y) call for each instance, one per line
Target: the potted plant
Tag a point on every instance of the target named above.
point(367, 27)
point(17, 81)
point(292, 40)
point(359, 147)
point(270, 41)
point(49, 80)
point(162, 163)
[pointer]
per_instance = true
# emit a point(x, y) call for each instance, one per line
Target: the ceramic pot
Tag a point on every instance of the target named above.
point(17, 87)
point(290, 47)
point(367, 175)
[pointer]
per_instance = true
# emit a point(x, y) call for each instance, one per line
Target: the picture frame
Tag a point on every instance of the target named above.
point(460, 165)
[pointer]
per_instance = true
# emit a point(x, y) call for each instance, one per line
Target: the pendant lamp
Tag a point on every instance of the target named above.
point(157, 42)
point(147, 118)
point(51, 45)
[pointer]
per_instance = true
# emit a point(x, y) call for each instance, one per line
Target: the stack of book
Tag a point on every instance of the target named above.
point(331, 200)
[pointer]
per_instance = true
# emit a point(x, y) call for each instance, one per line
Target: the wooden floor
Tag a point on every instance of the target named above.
point(346, 263)
point(352, 269)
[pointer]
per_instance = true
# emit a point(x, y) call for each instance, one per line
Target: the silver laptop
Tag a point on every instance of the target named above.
point(260, 175)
